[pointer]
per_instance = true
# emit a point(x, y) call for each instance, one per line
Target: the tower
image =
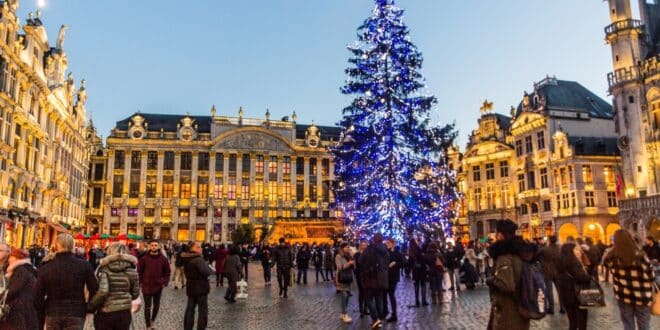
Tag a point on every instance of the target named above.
point(626, 36)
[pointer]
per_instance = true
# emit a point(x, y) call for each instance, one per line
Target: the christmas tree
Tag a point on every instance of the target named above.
point(391, 174)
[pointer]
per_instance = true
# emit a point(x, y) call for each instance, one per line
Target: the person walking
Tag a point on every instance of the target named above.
point(373, 264)
point(504, 285)
point(328, 262)
point(245, 259)
point(283, 258)
point(345, 264)
point(266, 263)
point(549, 255)
point(59, 293)
point(419, 272)
point(632, 278)
point(234, 272)
point(362, 306)
point(154, 272)
point(220, 256)
point(317, 259)
point(179, 277)
point(396, 262)
point(197, 273)
point(453, 263)
point(435, 265)
point(21, 277)
point(302, 261)
point(571, 272)
point(118, 287)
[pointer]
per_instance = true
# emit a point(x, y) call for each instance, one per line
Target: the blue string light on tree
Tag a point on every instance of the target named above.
point(390, 161)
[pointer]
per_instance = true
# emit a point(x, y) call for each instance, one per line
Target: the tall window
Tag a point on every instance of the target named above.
point(573, 200)
point(562, 177)
point(587, 176)
point(259, 189)
point(521, 182)
point(184, 186)
point(528, 144)
point(519, 150)
point(98, 171)
point(245, 166)
point(202, 187)
point(136, 160)
point(611, 199)
point(589, 198)
point(203, 161)
point(231, 188)
point(217, 190)
point(286, 165)
point(505, 196)
point(325, 192)
point(219, 162)
point(540, 140)
point(117, 185)
point(166, 213)
point(504, 169)
point(152, 160)
point(272, 165)
point(168, 160)
point(300, 191)
point(547, 205)
point(286, 190)
point(245, 189)
point(232, 163)
point(312, 166)
point(490, 171)
point(151, 186)
point(476, 173)
point(134, 188)
point(186, 161)
point(300, 165)
point(544, 177)
point(490, 198)
point(272, 190)
point(259, 164)
point(608, 171)
point(531, 180)
point(325, 167)
point(477, 198)
point(119, 159)
point(168, 186)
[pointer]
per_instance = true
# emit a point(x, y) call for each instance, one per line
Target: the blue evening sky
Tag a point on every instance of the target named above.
point(183, 56)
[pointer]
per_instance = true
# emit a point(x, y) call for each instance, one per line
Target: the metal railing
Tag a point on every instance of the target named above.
point(641, 203)
point(625, 24)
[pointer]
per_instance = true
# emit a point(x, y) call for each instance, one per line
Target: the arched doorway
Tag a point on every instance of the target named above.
point(593, 230)
point(568, 229)
point(609, 232)
point(654, 228)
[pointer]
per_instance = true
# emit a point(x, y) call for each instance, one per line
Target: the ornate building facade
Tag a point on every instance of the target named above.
point(550, 166)
point(184, 177)
point(44, 157)
point(633, 84)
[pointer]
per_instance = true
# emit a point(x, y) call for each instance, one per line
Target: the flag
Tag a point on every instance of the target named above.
point(620, 183)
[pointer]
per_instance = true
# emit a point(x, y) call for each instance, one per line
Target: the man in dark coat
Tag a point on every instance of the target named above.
point(245, 259)
point(283, 258)
point(21, 277)
point(373, 265)
point(197, 287)
point(454, 257)
point(549, 257)
point(302, 262)
point(59, 294)
point(154, 272)
point(505, 284)
point(393, 276)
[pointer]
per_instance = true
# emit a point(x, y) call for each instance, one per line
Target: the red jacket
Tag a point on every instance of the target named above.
point(154, 271)
point(220, 256)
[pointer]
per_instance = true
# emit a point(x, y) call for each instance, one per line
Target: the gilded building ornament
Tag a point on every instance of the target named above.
point(253, 141)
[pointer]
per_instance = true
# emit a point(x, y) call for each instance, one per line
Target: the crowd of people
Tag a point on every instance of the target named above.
point(57, 289)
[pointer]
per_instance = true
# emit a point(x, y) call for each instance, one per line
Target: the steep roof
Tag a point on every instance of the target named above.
point(327, 132)
point(571, 96)
point(167, 122)
point(593, 146)
point(503, 121)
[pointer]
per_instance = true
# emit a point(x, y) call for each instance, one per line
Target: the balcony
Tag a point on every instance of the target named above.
point(626, 24)
point(623, 75)
point(640, 204)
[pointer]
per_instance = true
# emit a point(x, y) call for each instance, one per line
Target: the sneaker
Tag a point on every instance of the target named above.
point(376, 324)
point(347, 319)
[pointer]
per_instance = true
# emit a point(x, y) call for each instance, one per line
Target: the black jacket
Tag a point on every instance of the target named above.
point(22, 313)
point(394, 272)
point(283, 258)
point(60, 287)
point(569, 272)
point(373, 265)
point(197, 273)
point(244, 255)
point(302, 259)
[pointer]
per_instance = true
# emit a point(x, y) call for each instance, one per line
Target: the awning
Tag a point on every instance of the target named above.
point(59, 228)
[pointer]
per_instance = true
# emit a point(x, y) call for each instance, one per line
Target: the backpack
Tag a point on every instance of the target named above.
point(531, 301)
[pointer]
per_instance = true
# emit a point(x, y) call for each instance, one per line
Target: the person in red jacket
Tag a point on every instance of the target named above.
point(220, 255)
point(154, 272)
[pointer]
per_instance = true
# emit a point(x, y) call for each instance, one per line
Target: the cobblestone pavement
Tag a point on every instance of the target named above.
point(316, 306)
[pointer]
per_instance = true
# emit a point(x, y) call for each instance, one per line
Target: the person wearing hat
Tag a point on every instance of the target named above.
point(21, 276)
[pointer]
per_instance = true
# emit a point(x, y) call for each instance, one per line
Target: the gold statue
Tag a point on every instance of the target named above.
point(486, 107)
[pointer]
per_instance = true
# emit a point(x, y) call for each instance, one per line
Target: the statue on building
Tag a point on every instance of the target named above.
point(60, 36)
point(486, 107)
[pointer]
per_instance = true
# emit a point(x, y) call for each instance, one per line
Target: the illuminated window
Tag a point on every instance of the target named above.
point(611, 199)
point(217, 189)
point(504, 169)
point(184, 187)
point(272, 190)
point(272, 214)
point(245, 189)
point(258, 213)
point(544, 177)
point(259, 164)
point(183, 235)
point(286, 165)
point(166, 213)
point(587, 176)
point(490, 171)
point(477, 198)
point(589, 198)
point(115, 212)
point(202, 187)
point(272, 165)
point(184, 213)
point(476, 173)
point(286, 190)
point(608, 171)
point(152, 160)
point(132, 212)
point(168, 186)
point(259, 190)
point(200, 233)
point(151, 186)
point(231, 188)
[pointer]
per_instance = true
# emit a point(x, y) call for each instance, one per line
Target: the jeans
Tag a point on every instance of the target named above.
point(245, 271)
point(319, 270)
point(390, 293)
point(302, 274)
point(374, 300)
point(549, 296)
point(179, 277)
point(630, 313)
point(420, 285)
point(202, 318)
point(64, 323)
point(283, 279)
point(344, 301)
point(267, 273)
point(219, 277)
point(149, 315)
point(435, 282)
point(120, 320)
point(328, 274)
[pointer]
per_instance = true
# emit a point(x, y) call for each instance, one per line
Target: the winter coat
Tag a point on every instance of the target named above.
point(394, 271)
point(632, 285)
point(302, 259)
point(505, 285)
point(342, 263)
point(220, 256)
point(373, 264)
point(154, 271)
point(22, 313)
point(429, 259)
point(317, 258)
point(265, 258)
point(652, 251)
point(118, 284)
point(418, 266)
point(197, 273)
point(549, 255)
point(453, 257)
point(245, 256)
point(328, 260)
point(233, 268)
point(283, 258)
point(470, 274)
point(60, 287)
point(569, 273)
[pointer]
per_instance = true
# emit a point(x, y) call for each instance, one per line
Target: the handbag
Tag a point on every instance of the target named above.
point(590, 294)
point(345, 276)
point(4, 307)
point(655, 308)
